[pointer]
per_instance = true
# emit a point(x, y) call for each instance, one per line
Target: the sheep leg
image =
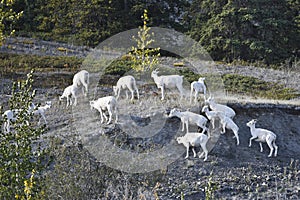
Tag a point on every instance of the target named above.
point(187, 126)
point(86, 89)
point(261, 147)
point(137, 92)
point(187, 151)
point(236, 135)
point(203, 128)
point(162, 93)
point(116, 113)
point(205, 151)
point(183, 123)
point(110, 115)
point(250, 141)
point(132, 94)
point(223, 128)
point(193, 149)
point(68, 99)
point(196, 96)
point(7, 126)
point(213, 123)
point(101, 115)
point(276, 148)
point(126, 92)
point(118, 92)
point(269, 142)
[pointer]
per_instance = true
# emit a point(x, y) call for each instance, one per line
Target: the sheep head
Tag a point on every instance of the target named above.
point(252, 122)
point(49, 103)
point(92, 104)
point(179, 140)
point(154, 73)
point(201, 79)
point(173, 112)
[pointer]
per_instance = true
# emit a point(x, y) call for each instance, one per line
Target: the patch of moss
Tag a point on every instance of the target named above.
point(255, 87)
point(16, 62)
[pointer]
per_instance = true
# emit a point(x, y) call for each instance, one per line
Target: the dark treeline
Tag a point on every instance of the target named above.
point(251, 30)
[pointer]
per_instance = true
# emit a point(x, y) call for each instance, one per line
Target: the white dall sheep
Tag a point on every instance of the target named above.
point(212, 115)
point(69, 92)
point(108, 103)
point(169, 81)
point(194, 139)
point(187, 117)
point(81, 79)
point(229, 124)
point(126, 82)
point(198, 87)
point(41, 111)
point(9, 116)
point(262, 135)
point(229, 112)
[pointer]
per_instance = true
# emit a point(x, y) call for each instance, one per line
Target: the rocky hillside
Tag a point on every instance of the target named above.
point(231, 172)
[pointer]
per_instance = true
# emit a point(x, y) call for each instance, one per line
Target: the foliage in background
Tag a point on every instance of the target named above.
point(22, 156)
point(246, 85)
point(15, 62)
point(143, 56)
point(7, 18)
point(238, 84)
point(252, 30)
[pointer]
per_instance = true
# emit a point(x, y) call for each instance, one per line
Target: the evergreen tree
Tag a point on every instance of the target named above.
point(249, 30)
point(7, 18)
point(144, 57)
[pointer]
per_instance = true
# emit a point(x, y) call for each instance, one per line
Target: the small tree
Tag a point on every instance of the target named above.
point(21, 155)
point(144, 57)
point(7, 16)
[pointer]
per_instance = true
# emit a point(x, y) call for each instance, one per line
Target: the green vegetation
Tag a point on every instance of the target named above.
point(22, 156)
point(144, 57)
point(120, 66)
point(238, 84)
point(245, 85)
point(14, 62)
point(7, 19)
point(254, 30)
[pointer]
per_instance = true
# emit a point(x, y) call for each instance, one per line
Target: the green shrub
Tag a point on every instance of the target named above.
point(16, 62)
point(255, 87)
point(22, 157)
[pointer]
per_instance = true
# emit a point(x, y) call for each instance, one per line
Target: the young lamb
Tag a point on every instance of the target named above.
point(81, 79)
point(41, 111)
point(262, 135)
point(198, 87)
point(212, 115)
point(108, 103)
point(189, 117)
point(126, 82)
point(229, 112)
point(169, 81)
point(194, 139)
point(69, 92)
point(229, 124)
point(9, 116)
